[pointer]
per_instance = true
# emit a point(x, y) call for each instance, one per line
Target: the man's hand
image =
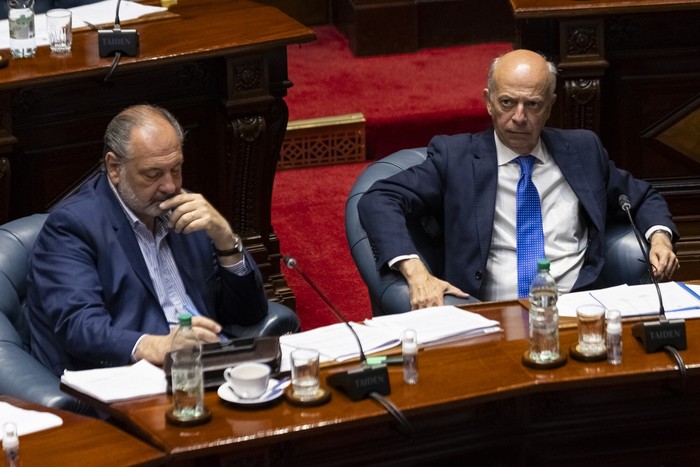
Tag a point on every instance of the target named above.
point(153, 348)
point(192, 212)
point(425, 289)
point(663, 260)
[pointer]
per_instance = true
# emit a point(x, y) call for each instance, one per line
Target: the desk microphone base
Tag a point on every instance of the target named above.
point(655, 335)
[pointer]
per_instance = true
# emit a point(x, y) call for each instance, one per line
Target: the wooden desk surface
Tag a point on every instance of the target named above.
point(239, 25)
point(451, 377)
point(81, 441)
point(545, 8)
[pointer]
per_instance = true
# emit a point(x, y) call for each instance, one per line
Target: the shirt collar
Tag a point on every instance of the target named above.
point(506, 155)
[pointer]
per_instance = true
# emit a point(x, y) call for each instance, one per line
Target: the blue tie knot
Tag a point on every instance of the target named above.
point(526, 163)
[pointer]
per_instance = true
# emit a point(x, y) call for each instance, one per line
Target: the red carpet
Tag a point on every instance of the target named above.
point(308, 215)
point(405, 98)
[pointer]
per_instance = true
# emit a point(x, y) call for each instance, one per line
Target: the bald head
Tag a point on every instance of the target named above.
point(519, 98)
point(523, 64)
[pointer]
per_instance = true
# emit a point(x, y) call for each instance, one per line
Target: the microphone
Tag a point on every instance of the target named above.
point(357, 383)
point(118, 41)
point(654, 335)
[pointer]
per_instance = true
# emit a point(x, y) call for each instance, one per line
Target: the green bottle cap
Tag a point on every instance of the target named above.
point(543, 265)
point(184, 319)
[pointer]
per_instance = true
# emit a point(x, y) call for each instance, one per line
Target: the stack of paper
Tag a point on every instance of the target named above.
point(680, 300)
point(337, 343)
point(436, 324)
point(27, 421)
point(118, 383)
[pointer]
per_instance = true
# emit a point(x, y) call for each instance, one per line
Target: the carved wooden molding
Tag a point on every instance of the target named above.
point(582, 100)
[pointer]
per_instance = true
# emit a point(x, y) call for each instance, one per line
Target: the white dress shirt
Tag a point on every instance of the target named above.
point(565, 232)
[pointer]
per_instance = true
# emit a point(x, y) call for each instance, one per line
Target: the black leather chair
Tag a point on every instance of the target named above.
point(388, 290)
point(21, 375)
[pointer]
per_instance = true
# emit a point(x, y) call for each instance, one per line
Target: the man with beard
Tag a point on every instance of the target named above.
point(117, 262)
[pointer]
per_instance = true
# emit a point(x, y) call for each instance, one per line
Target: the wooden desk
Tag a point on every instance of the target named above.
point(475, 404)
point(81, 441)
point(219, 66)
point(630, 71)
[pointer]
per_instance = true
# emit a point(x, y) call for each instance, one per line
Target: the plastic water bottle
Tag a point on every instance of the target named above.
point(20, 18)
point(544, 317)
point(186, 372)
point(613, 337)
point(409, 352)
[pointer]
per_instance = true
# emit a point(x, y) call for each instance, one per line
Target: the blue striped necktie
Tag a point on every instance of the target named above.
point(529, 233)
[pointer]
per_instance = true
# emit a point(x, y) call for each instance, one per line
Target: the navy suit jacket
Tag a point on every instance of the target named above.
point(457, 185)
point(90, 296)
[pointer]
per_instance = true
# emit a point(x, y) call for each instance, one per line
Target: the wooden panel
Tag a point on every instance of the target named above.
point(379, 27)
point(223, 75)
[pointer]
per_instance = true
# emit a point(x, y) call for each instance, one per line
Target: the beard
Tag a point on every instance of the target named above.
point(138, 206)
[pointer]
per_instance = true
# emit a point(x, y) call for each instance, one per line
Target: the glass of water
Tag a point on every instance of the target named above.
point(60, 30)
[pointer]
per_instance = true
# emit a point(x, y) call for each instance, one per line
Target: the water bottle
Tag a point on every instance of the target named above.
point(409, 352)
point(544, 317)
point(613, 337)
point(20, 16)
point(186, 372)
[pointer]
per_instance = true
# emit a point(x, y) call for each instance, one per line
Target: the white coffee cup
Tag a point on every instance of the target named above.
point(248, 380)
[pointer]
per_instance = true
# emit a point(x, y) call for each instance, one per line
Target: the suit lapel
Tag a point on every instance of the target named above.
point(485, 168)
point(125, 235)
point(572, 165)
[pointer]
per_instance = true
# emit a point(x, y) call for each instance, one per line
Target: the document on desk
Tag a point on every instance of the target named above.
point(436, 324)
point(680, 300)
point(118, 383)
point(100, 13)
point(337, 343)
point(27, 421)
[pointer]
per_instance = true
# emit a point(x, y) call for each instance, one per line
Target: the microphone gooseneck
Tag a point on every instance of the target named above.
point(624, 202)
point(291, 263)
point(359, 383)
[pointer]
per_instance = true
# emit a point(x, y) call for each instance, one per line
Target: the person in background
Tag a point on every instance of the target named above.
point(116, 262)
point(470, 182)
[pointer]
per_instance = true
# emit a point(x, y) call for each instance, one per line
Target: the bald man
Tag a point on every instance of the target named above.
point(468, 182)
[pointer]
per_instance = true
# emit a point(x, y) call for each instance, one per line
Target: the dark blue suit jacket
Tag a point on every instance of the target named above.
point(457, 185)
point(90, 296)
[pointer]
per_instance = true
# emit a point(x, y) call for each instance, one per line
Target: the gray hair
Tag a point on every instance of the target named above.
point(118, 134)
point(551, 85)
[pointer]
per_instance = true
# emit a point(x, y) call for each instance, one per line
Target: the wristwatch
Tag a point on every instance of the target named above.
point(237, 248)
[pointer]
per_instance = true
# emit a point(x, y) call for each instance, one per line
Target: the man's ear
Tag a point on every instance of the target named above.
point(112, 165)
point(487, 101)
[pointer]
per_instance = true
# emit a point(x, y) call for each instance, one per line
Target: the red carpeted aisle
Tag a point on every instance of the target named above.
point(405, 98)
point(308, 215)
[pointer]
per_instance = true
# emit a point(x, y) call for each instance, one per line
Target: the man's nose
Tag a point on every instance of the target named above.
point(167, 183)
point(519, 114)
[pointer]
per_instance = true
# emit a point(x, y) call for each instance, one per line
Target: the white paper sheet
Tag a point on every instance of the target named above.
point(337, 343)
point(436, 324)
point(679, 300)
point(27, 421)
point(118, 383)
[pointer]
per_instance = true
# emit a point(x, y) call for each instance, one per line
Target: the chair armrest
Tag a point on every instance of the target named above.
point(23, 377)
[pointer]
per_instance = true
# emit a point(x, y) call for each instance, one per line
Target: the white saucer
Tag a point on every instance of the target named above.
point(226, 393)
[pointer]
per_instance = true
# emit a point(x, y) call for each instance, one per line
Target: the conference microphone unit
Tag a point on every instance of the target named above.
point(357, 383)
point(654, 335)
point(117, 40)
